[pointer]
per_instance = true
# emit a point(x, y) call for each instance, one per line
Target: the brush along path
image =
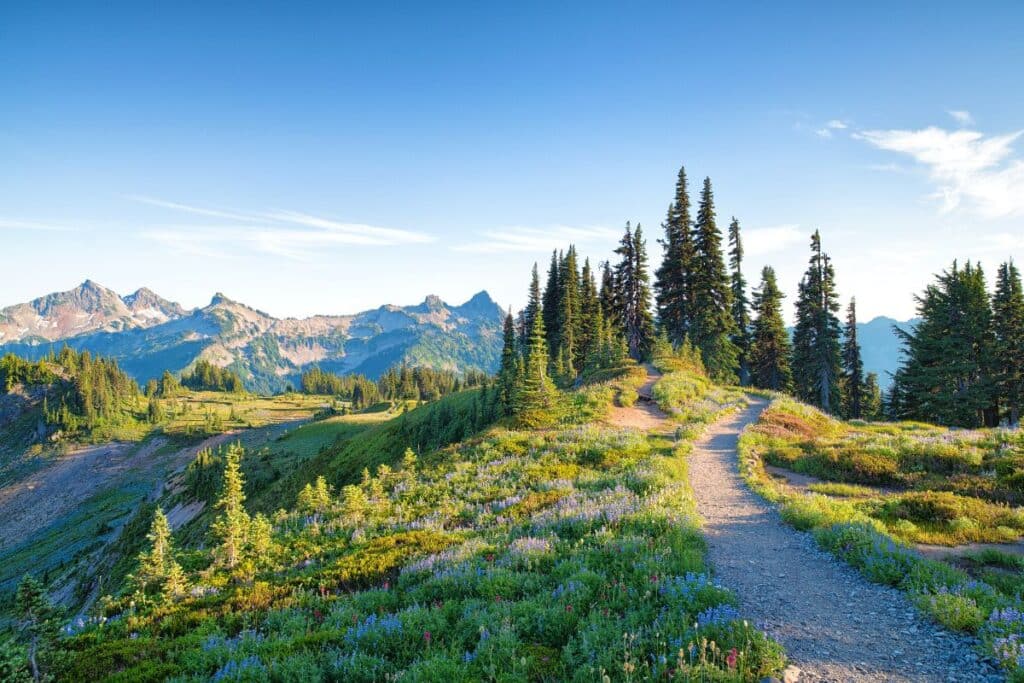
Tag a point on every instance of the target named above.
point(834, 624)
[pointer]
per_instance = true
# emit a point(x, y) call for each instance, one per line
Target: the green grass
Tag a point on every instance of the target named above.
point(572, 553)
point(873, 530)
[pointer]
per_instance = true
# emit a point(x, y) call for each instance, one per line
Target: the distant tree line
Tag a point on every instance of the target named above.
point(205, 376)
point(82, 390)
point(397, 383)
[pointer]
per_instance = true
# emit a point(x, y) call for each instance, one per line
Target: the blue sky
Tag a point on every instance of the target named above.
point(310, 158)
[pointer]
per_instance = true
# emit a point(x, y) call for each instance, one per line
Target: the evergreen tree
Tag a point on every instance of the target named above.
point(551, 305)
point(740, 303)
point(569, 315)
point(672, 284)
point(232, 526)
point(157, 565)
point(769, 348)
point(816, 337)
point(38, 623)
point(535, 399)
point(633, 293)
point(872, 408)
point(713, 326)
point(947, 371)
point(590, 314)
point(608, 295)
point(509, 371)
point(854, 390)
point(533, 306)
point(1008, 327)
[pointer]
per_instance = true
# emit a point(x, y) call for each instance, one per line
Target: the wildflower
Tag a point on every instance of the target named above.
point(426, 637)
point(730, 659)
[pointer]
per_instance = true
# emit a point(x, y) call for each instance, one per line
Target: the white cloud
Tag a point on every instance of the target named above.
point(966, 166)
point(538, 239)
point(758, 241)
point(288, 234)
point(833, 125)
point(961, 116)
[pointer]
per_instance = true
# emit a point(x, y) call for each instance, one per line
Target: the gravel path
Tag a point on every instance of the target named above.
point(834, 624)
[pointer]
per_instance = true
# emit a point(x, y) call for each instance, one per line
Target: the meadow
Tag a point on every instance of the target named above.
point(569, 553)
point(880, 494)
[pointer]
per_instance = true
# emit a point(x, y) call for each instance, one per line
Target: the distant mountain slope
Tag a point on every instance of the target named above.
point(880, 347)
point(147, 334)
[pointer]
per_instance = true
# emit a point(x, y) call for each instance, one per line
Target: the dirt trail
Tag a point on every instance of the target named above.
point(645, 413)
point(834, 624)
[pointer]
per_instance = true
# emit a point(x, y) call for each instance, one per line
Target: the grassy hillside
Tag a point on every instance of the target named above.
point(566, 553)
point(876, 494)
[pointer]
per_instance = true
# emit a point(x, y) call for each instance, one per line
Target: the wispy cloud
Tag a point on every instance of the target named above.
point(966, 166)
point(758, 241)
point(827, 130)
point(538, 239)
point(8, 224)
point(961, 116)
point(287, 234)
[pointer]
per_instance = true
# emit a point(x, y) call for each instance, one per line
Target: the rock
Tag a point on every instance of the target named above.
point(791, 674)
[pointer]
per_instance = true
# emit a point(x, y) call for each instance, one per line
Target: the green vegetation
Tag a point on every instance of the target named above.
point(205, 376)
point(396, 384)
point(566, 554)
point(940, 487)
point(964, 361)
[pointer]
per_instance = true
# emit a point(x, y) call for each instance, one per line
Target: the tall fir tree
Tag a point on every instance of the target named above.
point(817, 361)
point(713, 327)
point(740, 301)
point(551, 305)
point(634, 293)
point(769, 348)
point(853, 387)
point(568, 356)
point(508, 373)
point(608, 295)
point(948, 359)
point(1008, 328)
point(672, 283)
point(590, 313)
point(533, 306)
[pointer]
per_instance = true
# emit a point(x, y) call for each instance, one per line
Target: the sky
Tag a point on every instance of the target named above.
point(328, 158)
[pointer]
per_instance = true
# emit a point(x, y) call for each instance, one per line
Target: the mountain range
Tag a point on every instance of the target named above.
point(148, 334)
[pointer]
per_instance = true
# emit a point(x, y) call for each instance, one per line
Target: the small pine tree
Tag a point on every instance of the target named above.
point(535, 398)
point(232, 526)
point(872, 408)
point(38, 623)
point(157, 566)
